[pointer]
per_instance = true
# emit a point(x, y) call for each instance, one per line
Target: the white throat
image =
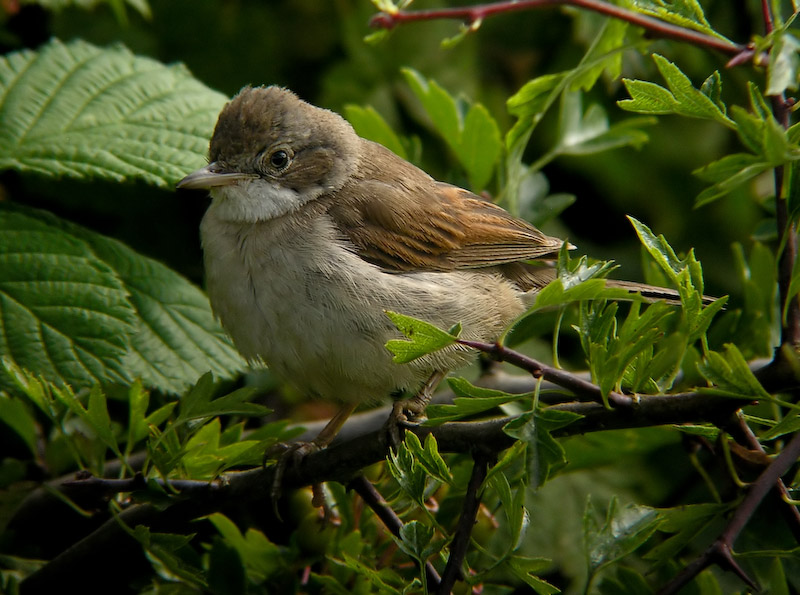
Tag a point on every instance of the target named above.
point(258, 200)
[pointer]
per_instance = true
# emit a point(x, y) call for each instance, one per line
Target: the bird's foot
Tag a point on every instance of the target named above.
point(407, 413)
point(286, 455)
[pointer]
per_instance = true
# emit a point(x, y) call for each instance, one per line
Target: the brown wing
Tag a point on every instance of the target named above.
point(436, 227)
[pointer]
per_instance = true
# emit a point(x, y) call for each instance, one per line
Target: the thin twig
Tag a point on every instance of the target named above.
point(787, 239)
point(391, 521)
point(581, 387)
point(477, 13)
point(790, 512)
point(482, 461)
point(721, 551)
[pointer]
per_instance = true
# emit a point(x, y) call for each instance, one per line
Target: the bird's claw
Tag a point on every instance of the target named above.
point(287, 455)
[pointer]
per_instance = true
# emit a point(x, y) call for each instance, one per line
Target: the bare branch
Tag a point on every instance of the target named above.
point(721, 551)
point(472, 15)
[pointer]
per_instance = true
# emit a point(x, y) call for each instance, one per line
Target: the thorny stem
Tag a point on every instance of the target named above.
point(790, 512)
point(473, 15)
point(482, 461)
point(787, 239)
point(390, 520)
point(721, 551)
point(581, 387)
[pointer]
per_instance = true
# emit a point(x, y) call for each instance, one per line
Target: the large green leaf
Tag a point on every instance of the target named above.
point(87, 112)
point(78, 308)
point(176, 338)
point(118, 6)
point(65, 313)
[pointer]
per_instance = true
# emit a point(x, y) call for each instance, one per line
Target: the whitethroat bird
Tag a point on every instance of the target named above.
point(313, 233)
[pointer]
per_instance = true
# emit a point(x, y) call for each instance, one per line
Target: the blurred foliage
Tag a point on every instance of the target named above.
point(530, 108)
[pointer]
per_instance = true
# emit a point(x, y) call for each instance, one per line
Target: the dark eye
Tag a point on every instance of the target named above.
point(279, 159)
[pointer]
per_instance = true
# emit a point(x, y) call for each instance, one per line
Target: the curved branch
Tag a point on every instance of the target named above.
point(721, 551)
point(475, 14)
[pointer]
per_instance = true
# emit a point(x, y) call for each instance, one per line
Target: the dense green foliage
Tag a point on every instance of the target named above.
point(607, 482)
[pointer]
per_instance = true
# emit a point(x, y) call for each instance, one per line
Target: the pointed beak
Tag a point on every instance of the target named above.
point(210, 176)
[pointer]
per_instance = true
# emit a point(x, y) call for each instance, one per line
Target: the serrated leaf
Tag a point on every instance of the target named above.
point(82, 111)
point(525, 569)
point(428, 457)
point(686, 523)
point(684, 13)
point(544, 454)
point(471, 400)
point(176, 337)
point(423, 338)
point(729, 371)
point(199, 402)
point(679, 98)
point(65, 313)
point(414, 539)
point(623, 530)
point(370, 124)
point(162, 549)
point(410, 475)
point(147, 322)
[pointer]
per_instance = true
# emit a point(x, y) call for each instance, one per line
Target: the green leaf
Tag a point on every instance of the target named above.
point(623, 530)
point(712, 88)
point(383, 580)
point(198, 403)
point(544, 454)
point(176, 337)
point(783, 65)
point(439, 105)
point(410, 475)
point(788, 425)
point(15, 415)
point(428, 457)
point(205, 457)
point(602, 55)
point(586, 133)
point(525, 569)
point(95, 310)
point(684, 13)
point(65, 312)
point(480, 146)
point(82, 111)
point(141, 6)
point(415, 538)
point(729, 371)
point(261, 557)
point(423, 338)
point(474, 139)
point(471, 400)
point(163, 552)
point(740, 167)
point(680, 97)
point(626, 582)
point(686, 523)
point(371, 125)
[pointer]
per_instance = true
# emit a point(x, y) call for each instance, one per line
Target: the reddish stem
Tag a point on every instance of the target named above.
point(475, 14)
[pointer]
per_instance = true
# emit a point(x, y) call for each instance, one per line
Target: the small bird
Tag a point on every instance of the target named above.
point(313, 233)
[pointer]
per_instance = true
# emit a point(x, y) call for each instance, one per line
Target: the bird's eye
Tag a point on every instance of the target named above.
point(280, 159)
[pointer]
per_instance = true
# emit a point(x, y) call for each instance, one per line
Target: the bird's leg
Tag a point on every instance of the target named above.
point(412, 411)
point(294, 453)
